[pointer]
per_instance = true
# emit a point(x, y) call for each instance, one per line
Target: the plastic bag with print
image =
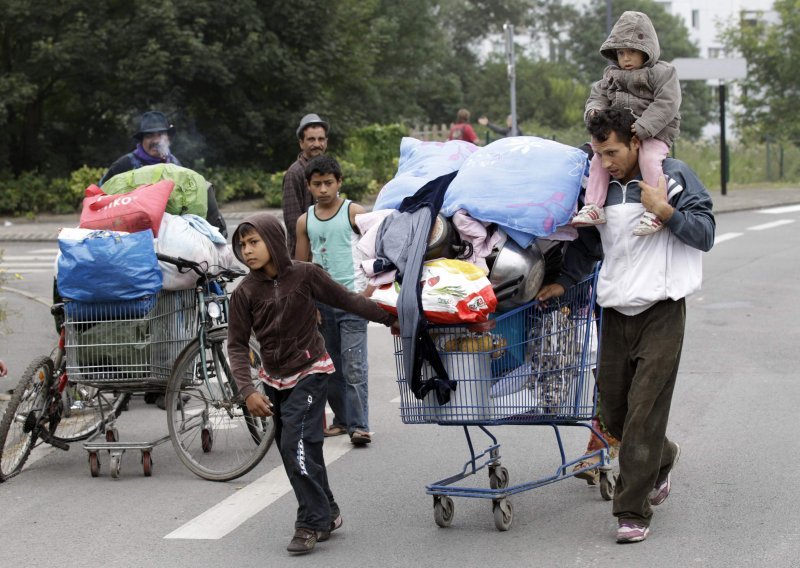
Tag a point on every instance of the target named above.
point(453, 291)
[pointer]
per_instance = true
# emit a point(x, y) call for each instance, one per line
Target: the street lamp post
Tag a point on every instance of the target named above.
point(512, 75)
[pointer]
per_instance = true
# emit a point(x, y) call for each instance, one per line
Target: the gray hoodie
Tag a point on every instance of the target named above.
point(652, 93)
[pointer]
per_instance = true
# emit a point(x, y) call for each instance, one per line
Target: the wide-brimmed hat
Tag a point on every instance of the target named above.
point(309, 120)
point(154, 121)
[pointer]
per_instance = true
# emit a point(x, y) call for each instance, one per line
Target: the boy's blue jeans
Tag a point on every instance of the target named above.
point(298, 414)
point(346, 341)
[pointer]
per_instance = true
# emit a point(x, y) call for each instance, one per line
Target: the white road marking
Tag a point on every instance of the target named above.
point(226, 516)
point(772, 225)
point(726, 237)
point(780, 210)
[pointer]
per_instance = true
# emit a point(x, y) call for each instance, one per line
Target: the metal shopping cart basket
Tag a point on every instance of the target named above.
point(534, 367)
point(127, 347)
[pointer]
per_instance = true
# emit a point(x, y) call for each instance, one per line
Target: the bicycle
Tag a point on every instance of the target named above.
point(210, 427)
point(47, 407)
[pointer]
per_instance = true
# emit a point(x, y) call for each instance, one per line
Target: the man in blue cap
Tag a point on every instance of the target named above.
point(312, 134)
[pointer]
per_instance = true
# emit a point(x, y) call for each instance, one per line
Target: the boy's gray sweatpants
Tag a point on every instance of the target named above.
point(638, 367)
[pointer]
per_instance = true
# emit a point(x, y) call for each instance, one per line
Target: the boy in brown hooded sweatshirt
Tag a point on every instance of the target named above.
point(275, 302)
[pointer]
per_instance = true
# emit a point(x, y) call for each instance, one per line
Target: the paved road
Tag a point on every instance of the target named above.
point(734, 500)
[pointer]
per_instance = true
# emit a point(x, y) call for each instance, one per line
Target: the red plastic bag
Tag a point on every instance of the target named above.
point(138, 210)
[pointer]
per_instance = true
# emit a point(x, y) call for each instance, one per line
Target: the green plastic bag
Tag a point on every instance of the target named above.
point(189, 196)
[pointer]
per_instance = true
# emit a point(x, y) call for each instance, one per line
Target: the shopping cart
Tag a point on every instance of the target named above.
point(533, 367)
point(173, 342)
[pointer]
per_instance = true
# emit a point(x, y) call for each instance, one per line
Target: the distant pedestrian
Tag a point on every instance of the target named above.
point(503, 131)
point(312, 135)
point(326, 235)
point(636, 81)
point(462, 129)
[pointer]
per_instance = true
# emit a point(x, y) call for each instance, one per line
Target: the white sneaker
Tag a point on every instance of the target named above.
point(588, 216)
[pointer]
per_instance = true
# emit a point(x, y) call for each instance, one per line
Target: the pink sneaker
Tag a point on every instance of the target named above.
point(588, 216)
point(648, 224)
point(660, 492)
point(631, 532)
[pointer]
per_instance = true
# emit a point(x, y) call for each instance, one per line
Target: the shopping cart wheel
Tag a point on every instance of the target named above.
point(503, 513)
point(112, 435)
point(147, 464)
point(115, 465)
point(94, 464)
point(498, 477)
point(443, 510)
point(608, 482)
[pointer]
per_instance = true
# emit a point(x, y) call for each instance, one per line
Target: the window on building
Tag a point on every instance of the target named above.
point(716, 52)
point(696, 19)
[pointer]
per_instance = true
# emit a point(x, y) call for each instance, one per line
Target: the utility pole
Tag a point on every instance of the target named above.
point(512, 74)
point(608, 17)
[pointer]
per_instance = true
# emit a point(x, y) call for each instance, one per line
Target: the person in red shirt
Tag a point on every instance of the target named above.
point(462, 129)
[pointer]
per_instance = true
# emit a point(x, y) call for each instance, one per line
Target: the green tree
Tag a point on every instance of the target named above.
point(771, 91)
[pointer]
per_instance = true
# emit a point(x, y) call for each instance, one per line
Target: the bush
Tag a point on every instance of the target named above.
point(358, 182)
point(376, 148)
point(232, 184)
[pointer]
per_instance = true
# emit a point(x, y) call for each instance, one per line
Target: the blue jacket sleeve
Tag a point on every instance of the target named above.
point(693, 220)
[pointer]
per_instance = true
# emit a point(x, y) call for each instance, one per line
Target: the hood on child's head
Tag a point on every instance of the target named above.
point(274, 235)
point(633, 30)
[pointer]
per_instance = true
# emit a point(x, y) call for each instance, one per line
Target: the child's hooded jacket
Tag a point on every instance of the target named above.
point(652, 93)
point(281, 312)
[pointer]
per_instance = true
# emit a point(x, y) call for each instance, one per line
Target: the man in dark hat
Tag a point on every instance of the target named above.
point(153, 147)
point(153, 141)
point(312, 134)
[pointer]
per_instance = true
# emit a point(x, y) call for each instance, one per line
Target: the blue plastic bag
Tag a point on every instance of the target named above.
point(522, 183)
point(107, 266)
point(421, 162)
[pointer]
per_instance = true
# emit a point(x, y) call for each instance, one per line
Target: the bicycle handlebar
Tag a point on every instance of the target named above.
point(184, 265)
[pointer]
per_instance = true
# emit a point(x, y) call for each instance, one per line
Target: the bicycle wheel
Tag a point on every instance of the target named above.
point(212, 432)
point(84, 408)
point(22, 414)
point(89, 408)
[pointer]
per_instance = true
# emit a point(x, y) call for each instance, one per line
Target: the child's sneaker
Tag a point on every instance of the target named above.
point(631, 532)
point(648, 224)
point(588, 216)
point(303, 541)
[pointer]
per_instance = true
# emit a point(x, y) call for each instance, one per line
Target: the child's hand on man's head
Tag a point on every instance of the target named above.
point(259, 404)
point(3, 369)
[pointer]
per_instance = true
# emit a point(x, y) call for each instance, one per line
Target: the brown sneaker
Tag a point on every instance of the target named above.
point(303, 541)
point(322, 536)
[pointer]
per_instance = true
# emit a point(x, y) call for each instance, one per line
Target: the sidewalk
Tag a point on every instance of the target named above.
point(46, 227)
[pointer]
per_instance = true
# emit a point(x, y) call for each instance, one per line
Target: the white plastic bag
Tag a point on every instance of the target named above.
point(178, 238)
